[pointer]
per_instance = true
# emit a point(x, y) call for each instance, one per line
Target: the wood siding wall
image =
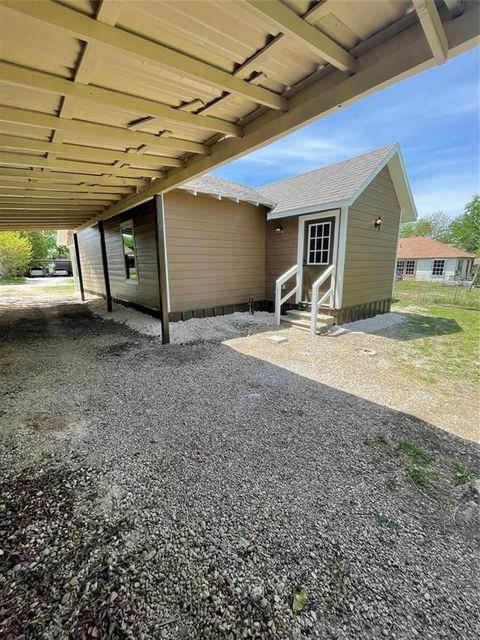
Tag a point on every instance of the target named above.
point(215, 251)
point(91, 260)
point(370, 254)
point(280, 252)
point(144, 292)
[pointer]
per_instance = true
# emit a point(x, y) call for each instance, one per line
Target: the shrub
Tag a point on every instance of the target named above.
point(15, 254)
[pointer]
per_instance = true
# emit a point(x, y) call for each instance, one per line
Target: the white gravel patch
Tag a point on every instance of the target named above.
point(370, 325)
point(194, 330)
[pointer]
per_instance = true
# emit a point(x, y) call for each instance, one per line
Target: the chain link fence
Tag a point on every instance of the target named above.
point(436, 290)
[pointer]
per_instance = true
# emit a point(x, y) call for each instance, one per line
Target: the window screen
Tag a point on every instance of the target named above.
point(129, 252)
point(319, 238)
point(438, 267)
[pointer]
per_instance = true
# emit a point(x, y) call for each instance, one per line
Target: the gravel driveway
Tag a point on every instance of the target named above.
point(192, 491)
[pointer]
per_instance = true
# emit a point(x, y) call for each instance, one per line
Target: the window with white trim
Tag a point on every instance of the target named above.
point(319, 238)
point(400, 267)
point(410, 267)
point(129, 251)
point(438, 267)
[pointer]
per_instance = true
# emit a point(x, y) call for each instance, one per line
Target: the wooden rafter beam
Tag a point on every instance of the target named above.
point(54, 187)
point(433, 28)
point(399, 56)
point(92, 154)
point(47, 175)
point(28, 201)
point(17, 205)
point(100, 132)
point(289, 22)
point(36, 161)
point(92, 31)
point(38, 80)
point(33, 193)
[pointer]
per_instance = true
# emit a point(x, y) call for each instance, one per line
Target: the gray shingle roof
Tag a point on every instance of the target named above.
point(332, 183)
point(226, 188)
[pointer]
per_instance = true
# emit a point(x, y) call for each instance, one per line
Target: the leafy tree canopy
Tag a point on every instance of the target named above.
point(436, 226)
point(15, 254)
point(44, 243)
point(465, 229)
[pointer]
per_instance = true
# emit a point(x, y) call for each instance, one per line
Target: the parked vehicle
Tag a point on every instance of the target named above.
point(36, 272)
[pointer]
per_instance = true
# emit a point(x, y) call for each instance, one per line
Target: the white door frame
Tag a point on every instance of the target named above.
point(334, 213)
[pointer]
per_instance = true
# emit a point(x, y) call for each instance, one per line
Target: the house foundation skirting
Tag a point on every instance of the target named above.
point(347, 314)
point(178, 316)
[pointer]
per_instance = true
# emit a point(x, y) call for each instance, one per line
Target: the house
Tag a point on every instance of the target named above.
point(424, 258)
point(326, 238)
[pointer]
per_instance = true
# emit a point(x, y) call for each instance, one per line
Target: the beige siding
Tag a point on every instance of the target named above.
point(370, 254)
point(145, 291)
point(91, 260)
point(280, 251)
point(216, 251)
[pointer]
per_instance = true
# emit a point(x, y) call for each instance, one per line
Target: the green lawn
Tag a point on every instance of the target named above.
point(440, 343)
point(16, 280)
point(433, 293)
point(38, 289)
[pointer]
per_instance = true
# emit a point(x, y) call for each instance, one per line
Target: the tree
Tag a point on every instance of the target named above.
point(436, 226)
point(465, 229)
point(15, 254)
point(44, 243)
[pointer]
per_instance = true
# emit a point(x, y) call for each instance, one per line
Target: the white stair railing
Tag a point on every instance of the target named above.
point(293, 271)
point(316, 302)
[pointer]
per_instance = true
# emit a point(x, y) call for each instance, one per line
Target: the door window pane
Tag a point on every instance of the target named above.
point(319, 239)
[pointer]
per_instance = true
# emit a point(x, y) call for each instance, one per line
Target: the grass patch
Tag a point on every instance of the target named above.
point(384, 521)
point(436, 293)
point(37, 289)
point(13, 280)
point(416, 454)
point(461, 474)
point(440, 343)
point(421, 478)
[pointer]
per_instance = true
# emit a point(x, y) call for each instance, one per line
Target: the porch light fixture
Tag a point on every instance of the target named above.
point(378, 223)
point(279, 229)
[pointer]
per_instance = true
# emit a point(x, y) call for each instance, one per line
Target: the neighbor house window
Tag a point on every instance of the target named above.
point(410, 267)
point(319, 235)
point(400, 267)
point(129, 252)
point(438, 267)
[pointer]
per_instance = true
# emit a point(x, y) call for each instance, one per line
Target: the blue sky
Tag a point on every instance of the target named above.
point(433, 115)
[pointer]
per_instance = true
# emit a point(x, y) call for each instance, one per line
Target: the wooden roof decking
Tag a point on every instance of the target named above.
point(105, 104)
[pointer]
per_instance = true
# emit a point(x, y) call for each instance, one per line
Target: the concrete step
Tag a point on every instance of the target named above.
point(304, 323)
point(298, 314)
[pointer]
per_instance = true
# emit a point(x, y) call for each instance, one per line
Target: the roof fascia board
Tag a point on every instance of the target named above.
point(300, 211)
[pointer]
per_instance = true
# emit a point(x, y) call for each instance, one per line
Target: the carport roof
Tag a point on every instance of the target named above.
point(105, 104)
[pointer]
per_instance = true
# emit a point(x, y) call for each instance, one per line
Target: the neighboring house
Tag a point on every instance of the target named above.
point(424, 258)
point(227, 244)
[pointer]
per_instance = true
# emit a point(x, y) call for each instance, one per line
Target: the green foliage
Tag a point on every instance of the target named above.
point(299, 600)
point(465, 229)
point(436, 226)
point(417, 455)
point(15, 254)
point(44, 243)
point(461, 473)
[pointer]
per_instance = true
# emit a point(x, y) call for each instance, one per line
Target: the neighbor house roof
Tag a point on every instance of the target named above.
point(214, 186)
point(421, 247)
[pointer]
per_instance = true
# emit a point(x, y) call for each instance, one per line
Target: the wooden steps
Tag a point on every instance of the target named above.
point(301, 320)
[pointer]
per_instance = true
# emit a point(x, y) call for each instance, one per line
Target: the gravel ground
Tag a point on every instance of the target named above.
point(193, 491)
